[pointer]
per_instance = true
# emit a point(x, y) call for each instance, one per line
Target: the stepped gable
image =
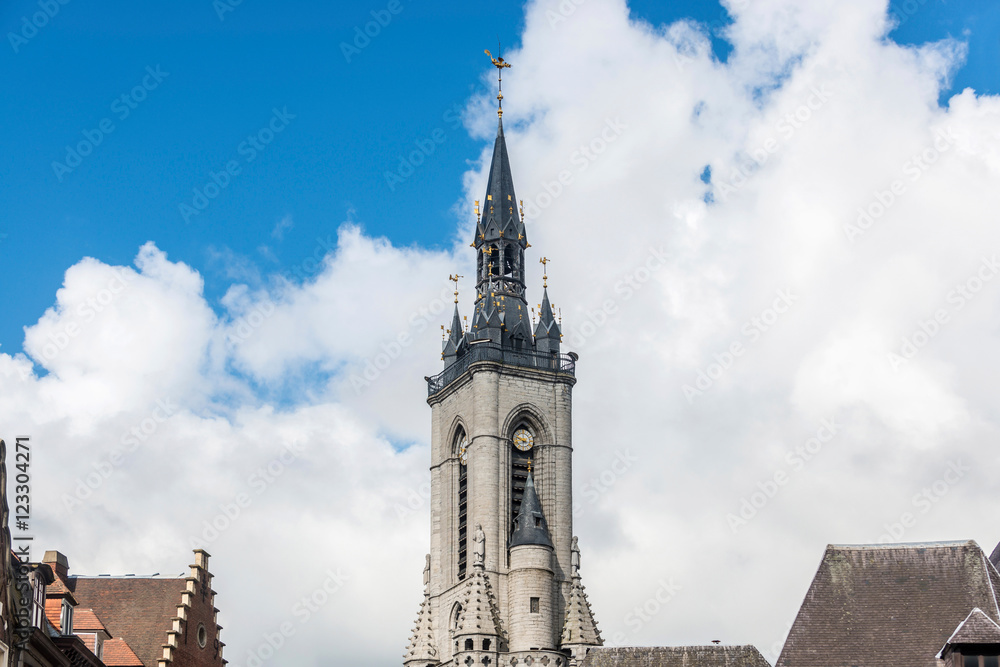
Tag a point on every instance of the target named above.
point(883, 605)
point(159, 618)
point(676, 656)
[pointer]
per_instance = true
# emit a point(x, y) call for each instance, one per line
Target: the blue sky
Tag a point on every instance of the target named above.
point(353, 121)
point(828, 235)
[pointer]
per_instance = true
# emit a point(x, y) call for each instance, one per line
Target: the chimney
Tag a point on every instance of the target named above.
point(58, 562)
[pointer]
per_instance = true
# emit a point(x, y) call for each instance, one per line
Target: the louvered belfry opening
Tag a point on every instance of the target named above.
point(463, 519)
point(519, 462)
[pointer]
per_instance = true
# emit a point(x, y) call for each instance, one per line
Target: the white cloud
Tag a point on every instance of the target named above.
point(806, 129)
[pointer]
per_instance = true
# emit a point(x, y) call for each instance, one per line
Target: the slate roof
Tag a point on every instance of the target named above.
point(530, 526)
point(977, 628)
point(884, 605)
point(675, 656)
point(137, 609)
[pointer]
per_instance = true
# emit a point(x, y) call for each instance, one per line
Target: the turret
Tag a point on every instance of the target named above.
point(531, 610)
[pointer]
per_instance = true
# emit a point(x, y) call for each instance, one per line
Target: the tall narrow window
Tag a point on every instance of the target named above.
point(508, 260)
point(462, 444)
point(521, 456)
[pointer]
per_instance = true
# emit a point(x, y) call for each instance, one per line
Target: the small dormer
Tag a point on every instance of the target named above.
point(974, 643)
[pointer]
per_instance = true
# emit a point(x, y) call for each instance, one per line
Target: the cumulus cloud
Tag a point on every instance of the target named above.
point(780, 274)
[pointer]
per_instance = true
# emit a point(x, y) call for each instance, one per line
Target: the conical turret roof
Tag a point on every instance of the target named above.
point(530, 526)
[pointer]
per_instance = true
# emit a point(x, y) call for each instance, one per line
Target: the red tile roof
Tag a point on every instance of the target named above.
point(85, 620)
point(118, 654)
point(137, 609)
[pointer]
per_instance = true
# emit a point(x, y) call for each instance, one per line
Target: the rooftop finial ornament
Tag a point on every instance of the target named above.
point(454, 279)
point(499, 63)
point(544, 261)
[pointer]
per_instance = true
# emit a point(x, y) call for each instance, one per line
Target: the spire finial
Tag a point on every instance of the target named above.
point(454, 279)
point(477, 214)
point(499, 63)
point(544, 261)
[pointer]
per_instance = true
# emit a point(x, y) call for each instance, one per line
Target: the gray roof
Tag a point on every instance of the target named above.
point(676, 656)
point(530, 526)
point(978, 628)
point(888, 605)
point(500, 206)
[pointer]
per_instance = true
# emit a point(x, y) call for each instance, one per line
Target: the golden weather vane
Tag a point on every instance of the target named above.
point(500, 64)
point(544, 261)
point(454, 279)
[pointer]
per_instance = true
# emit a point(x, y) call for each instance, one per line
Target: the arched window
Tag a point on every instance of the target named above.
point(468, 645)
point(456, 613)
point(508, 260)
point(462, 452)
point(480, 264)
point(486, 644)
point(521, 456)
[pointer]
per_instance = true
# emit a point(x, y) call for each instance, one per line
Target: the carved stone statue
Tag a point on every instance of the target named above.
point(574, 560)
point(427, 571)
point(480, 539)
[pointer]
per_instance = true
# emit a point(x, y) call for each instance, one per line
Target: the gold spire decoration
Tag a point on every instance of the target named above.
point(544, 261)
point(500, 64)
point(454, 279)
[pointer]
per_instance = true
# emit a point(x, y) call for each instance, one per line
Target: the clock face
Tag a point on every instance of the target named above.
point(523, 439)
point(463, 451)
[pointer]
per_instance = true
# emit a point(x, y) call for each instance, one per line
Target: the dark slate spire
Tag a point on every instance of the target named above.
point(530, 526)
point(455, 342)
point(500, 244)
point(547, 332)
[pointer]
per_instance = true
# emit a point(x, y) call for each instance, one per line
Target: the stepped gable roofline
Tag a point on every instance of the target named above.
point(888, 604)
point(675, 656)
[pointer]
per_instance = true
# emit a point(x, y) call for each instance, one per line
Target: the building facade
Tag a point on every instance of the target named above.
point(502, 581)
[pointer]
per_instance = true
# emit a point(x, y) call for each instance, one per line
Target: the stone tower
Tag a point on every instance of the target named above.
point(501, 582)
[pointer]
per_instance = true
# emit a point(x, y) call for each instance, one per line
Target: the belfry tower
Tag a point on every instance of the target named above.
point(502, 583)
